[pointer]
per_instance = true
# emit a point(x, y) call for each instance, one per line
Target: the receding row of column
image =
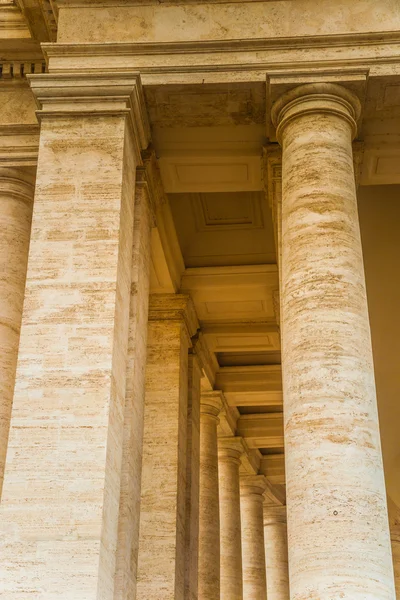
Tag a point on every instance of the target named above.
point(105, 466)
point(235, 524)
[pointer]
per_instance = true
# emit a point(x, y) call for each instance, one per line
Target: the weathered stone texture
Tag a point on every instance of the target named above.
point(128, 527)
point(209, 523)
point(252, 488)
point(334, 474)
point(59, 519)
point(229, 453)
point(276, 552)
point(192, 479)
point(161, 566)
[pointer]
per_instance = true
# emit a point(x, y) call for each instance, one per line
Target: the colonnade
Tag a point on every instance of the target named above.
point(116, 483)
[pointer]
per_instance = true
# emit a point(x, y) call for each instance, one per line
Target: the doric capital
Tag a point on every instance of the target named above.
point(93, 94)
point(19, 145)
point(18, 182)
point(174, 307)
point(315, 98)
point(230, 449)
point(273, 514)
point(211, 404)
point(252, 485)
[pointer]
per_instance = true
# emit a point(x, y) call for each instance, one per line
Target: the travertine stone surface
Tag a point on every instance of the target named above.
point(161, 566)
point(65, 446)
point(229, 453)
point(129, 511)
point(276, 552)
point(162, 21)
point(334, 474)
point(192, 478)
point(209, 537)
point(252, 488)
point(16, 204)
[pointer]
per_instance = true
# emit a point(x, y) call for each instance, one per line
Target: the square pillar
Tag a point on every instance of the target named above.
point(193, 476)
point(66, 438)
point(161, 570)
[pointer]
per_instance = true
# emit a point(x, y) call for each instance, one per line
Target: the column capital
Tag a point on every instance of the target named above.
point(252, 485)
point(315, 98)
point(93, 94)
point(18, 182)
point(174, 307)
point(211, 404)
point(230, 448)
point(273, 513)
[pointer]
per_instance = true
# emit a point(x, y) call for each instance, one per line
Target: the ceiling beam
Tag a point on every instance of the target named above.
point(261, 430)
point(264, 378)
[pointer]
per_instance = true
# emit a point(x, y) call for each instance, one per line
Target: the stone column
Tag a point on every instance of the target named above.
point(252, 488)
point(67, 427)
point(16, 204)
point(339, 543)
point(128, 526)
point(209, 537)
point(161, 566)
point(192, 478)
point(229, 453)
point(276, 552)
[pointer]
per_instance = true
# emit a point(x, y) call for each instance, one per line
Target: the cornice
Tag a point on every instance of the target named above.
point(231, 45)
point(19, 69)
point(111, 3)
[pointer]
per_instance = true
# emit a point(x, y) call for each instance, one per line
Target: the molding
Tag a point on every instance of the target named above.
point(174, 307)
point(274, 513)
point(252, 485)
point(19, 145)
point(237, 294)
point(205, 46)
point(263, 430)
point(265, 378)
point(211, 403)
point(19, 69)
point(234, 60)
point(230, 447)
point(245, 398)
point(381, 162)
point(273, 467)
point(93, 94)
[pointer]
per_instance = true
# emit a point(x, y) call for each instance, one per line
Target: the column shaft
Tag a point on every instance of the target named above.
point(253, 552)
point(16, 204)
point(339, 544)
point(209, 523)
point(229, 452)
point(161, 566)
point(276, 552)
point(192, 480)
point(128, 526)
